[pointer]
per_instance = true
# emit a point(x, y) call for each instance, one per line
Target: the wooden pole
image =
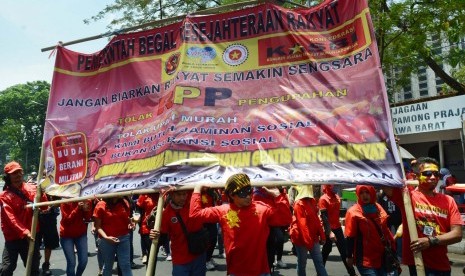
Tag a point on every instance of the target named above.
point(161, 22)
point(411, 224)
point(35, 216)
point(152, 261)
point(149, 191)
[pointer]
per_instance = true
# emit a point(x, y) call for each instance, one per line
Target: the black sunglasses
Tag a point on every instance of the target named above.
point(430, 173)
point(244, 192)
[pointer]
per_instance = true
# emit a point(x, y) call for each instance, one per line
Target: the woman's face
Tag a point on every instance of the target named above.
point(365, 196)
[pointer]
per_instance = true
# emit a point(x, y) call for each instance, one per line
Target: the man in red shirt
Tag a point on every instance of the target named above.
point(245, 224)
point(184, 262)
point(17, 220)
point(437, 219)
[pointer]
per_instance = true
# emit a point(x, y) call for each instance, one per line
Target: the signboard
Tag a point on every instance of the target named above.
point(289, 96)
point(437, 115)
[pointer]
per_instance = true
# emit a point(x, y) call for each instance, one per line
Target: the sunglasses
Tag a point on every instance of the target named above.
point(244, 192)
point(430, 173)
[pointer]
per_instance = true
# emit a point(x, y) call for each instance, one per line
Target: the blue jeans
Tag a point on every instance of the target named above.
point(368, 271)
point(195, 268)
point(68, 249)
point(122, 251)
point(317, 258)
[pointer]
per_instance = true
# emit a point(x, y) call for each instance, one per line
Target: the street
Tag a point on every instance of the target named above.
point(334, 265)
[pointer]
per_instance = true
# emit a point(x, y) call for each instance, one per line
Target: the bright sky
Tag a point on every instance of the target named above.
point(27, 26)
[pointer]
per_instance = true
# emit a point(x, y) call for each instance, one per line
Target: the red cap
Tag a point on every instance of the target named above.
point(12, 167)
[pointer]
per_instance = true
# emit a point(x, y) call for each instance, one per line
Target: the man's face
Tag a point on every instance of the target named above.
point(179, 198)
point(243, 197)
point(16, 178)
point(428, 177)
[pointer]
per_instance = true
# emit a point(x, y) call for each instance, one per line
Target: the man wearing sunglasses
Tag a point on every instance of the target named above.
point(437, 219)
point(245, 224)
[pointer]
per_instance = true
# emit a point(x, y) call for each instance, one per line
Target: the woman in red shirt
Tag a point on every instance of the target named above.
point(73, 234)
point(306, 231)
point(112, 223)
point(364, 221)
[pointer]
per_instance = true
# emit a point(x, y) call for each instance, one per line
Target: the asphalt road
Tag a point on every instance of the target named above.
point(334, 265)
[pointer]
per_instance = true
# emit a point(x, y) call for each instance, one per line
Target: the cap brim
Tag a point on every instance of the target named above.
point(15, 170)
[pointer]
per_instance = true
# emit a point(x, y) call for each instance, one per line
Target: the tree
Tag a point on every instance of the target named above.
point(407, 33)
point(131, 13)
point(22, 119)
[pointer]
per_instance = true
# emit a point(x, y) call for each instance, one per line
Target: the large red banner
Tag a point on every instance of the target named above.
point(292, 96)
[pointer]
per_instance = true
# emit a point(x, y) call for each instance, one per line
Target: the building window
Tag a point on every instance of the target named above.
point(439, 85)
point(408, 93)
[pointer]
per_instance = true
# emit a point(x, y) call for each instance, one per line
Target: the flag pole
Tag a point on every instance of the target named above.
point(35, 216)
point(152, 261)
point(161, 22)
point(411, 224)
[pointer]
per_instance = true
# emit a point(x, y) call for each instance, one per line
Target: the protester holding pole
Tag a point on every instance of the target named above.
point(177, 224)
point(113, 223)
point(437, 220)
point(245, 224)
point(73, 234)
point(16, 220)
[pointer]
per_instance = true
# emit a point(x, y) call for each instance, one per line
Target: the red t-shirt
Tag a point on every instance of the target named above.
point(146, 203)
point(308, 223)
point(437, 213)
point(369, 248)
point(115, 220)
point(170, 225)
point(245, 231)
point(332, 204)
point(73, 220)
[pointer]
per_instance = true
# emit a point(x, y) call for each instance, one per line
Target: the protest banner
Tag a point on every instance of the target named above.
point(293, 96)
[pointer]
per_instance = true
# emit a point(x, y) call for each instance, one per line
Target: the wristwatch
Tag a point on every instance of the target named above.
point(433, 241)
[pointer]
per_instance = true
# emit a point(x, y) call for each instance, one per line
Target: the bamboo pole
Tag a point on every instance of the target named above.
point(411, 224)
point(161, 22)
point(152, 261)
point(35, 216)
point(149, 191)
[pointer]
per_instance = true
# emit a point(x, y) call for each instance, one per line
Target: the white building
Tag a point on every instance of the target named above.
point(430, 124)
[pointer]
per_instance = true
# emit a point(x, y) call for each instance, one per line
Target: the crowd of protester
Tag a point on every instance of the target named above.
point(249, 226)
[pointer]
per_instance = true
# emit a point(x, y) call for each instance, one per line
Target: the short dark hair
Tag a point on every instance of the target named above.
point(7, 179)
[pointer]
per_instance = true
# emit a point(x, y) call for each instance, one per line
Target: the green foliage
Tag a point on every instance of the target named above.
point(22, 119)
point(406, 31)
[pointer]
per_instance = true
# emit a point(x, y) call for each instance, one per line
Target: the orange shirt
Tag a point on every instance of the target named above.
point(115, 220)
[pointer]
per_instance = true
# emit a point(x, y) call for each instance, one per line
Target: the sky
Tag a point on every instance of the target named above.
point(27, 26)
